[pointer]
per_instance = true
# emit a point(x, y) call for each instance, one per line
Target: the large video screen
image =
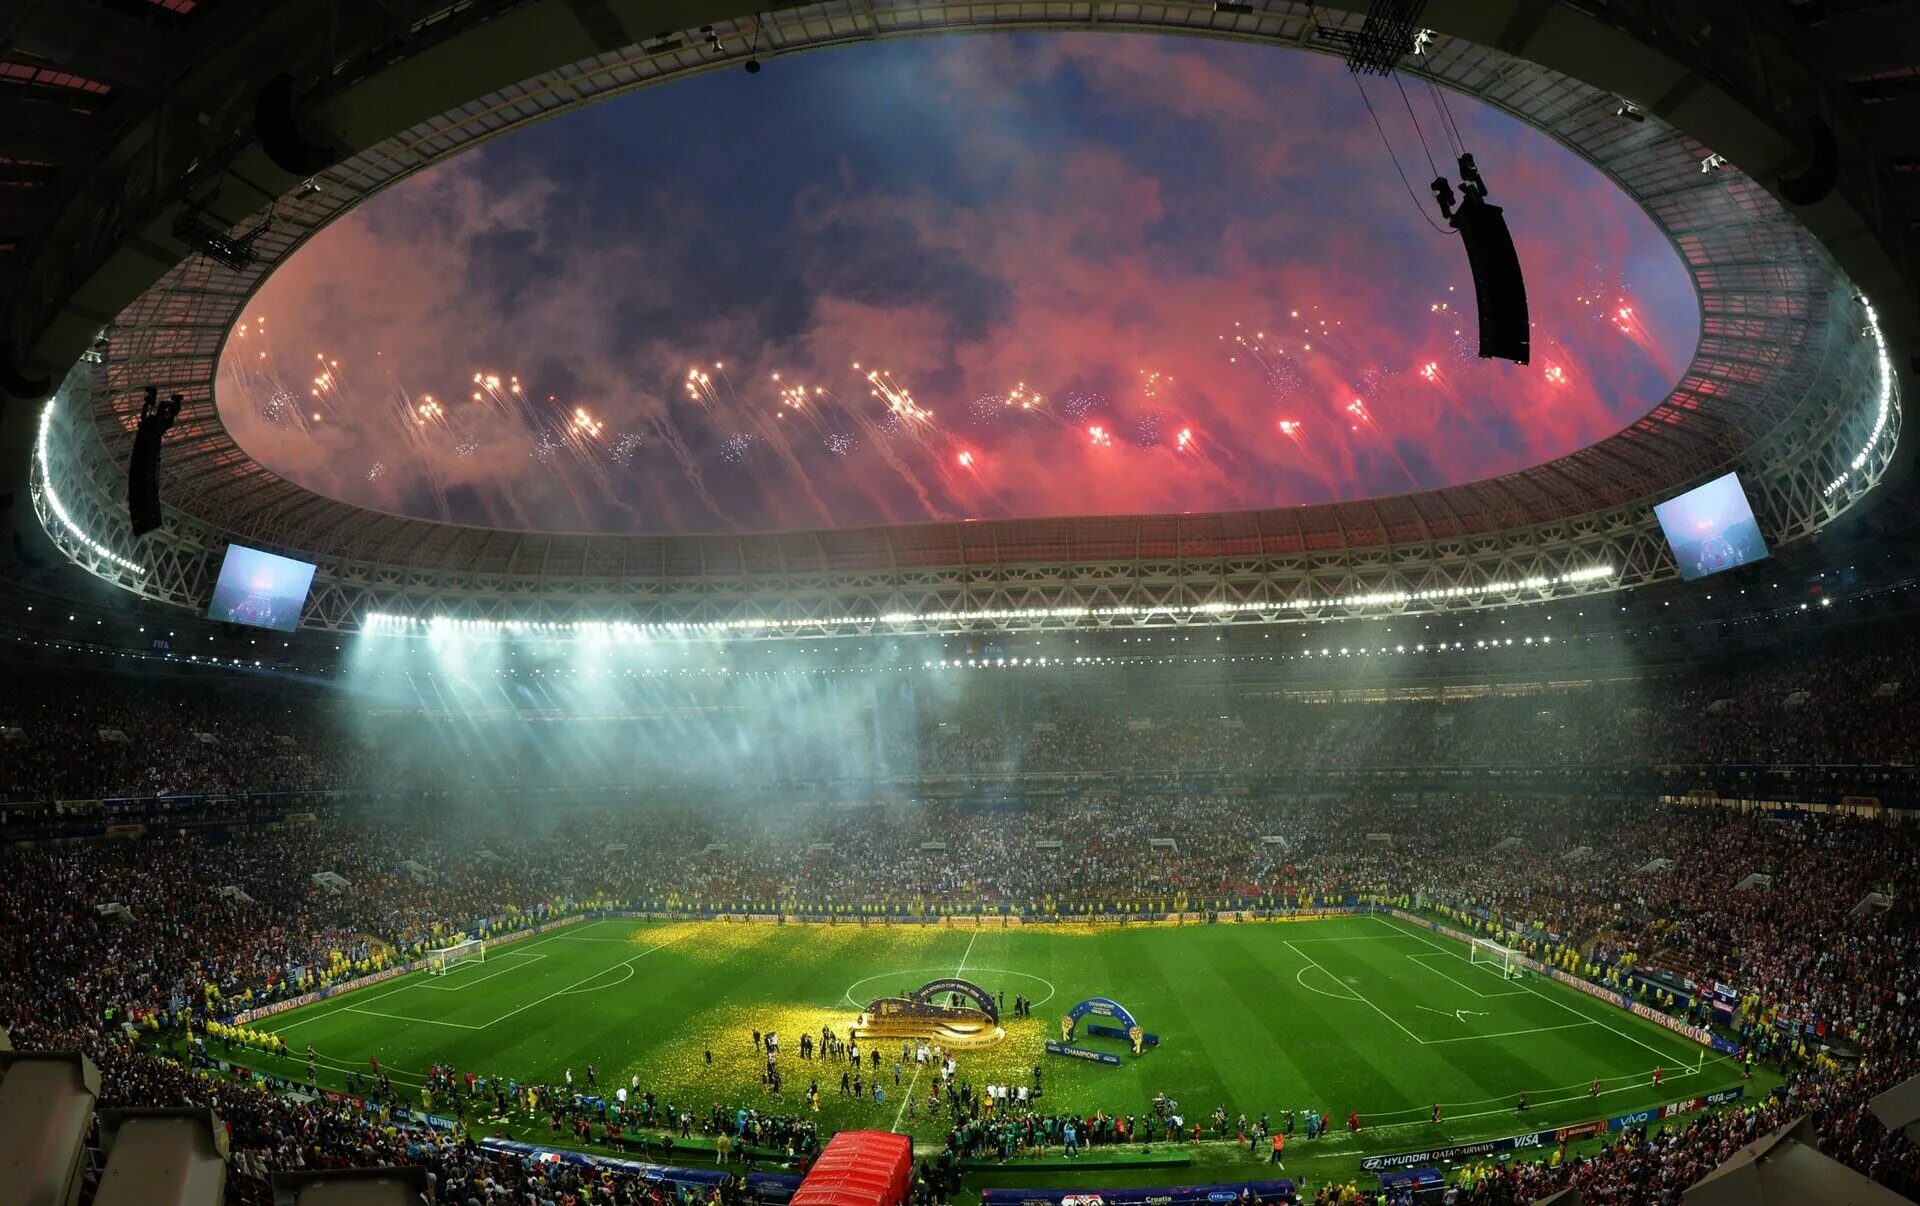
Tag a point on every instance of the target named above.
point(1711, 528)
point(260, 589)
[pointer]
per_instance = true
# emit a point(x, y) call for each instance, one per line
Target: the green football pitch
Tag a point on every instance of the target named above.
point(1363, 1013)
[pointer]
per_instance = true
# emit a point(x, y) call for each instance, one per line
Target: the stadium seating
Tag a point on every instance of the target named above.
point(220, 909)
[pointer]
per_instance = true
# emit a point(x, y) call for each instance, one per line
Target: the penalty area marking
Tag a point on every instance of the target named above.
point(1467, 1038)
point(467, 982)
point(400, 1017)
point(356, 1001)
point(628, 967)
point(1299, 978)
point(1419, 955)
point(910, 972)
point(580, 983)
point(1358, 995)
point(1590, 1020)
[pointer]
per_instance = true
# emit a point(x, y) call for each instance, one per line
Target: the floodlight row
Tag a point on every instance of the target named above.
point(44, 487)
point(1885, 405)
point(455, 626)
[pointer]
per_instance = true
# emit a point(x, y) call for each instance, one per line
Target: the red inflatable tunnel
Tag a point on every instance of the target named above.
point(859, 1168)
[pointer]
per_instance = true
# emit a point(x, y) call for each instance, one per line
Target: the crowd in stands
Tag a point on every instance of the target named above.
point(1652, 1166)
point(187, 735)
point(73, 977)
point(220, 912)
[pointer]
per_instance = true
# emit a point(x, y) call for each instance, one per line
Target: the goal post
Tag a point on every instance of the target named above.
point(1487, 953)
point(443, 959)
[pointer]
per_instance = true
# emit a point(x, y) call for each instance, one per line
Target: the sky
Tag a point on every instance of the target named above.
point(1011, 275)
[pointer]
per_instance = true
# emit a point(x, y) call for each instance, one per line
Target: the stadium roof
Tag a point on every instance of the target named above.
point(1788, 384)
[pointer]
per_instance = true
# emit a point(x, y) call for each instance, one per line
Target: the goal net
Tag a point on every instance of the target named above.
point(444, 959)
point(1490, 954)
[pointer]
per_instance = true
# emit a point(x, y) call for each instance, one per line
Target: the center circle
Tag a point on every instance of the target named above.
point(852, 1000)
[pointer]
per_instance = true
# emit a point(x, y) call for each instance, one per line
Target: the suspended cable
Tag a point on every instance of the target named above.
point(1417, 131)
point(1446, 115)
point(1454, 141)
point(1415, 197)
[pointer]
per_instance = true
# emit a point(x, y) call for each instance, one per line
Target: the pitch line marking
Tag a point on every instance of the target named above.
point(409, 982)
point(348, 1001)
point(1299, 978)
point(1458, 1015)
point(1509, 1033)
point(604, 987)
point(467, 982)
point(848, 997)
point(584, 980)
point(1418, 955)
point(398, 1017)
point(1359, 996)
point(917, 1066)
point(1664, 1055)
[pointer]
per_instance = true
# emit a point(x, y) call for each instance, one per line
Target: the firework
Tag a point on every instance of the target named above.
point(281, 407)
point(1077, 404)
point(899, 400)
point(1277, 369)
point(624, 448)
point(1099, 436)
point(735, 447)
point(1146, 429)
point(376, 471)
point(1183, 440)
point(839, 443)
point(1556, 375)
point(582, 425)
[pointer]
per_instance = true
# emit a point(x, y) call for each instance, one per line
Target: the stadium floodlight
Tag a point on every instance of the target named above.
point(46, 1109)
point(351, 1187)
point(162, 1157)
point(1898, 1109)
point(444, 627)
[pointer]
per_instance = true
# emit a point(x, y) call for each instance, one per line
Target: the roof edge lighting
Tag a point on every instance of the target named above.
point(443, 626)
point(43, 488)
point(1884, 408)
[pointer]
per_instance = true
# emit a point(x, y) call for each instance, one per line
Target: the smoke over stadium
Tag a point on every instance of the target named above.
point(1319, 613)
